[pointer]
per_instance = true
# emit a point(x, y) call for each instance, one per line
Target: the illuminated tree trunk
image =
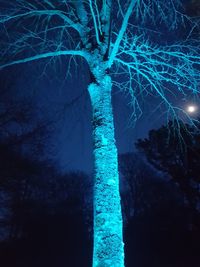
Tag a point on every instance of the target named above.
point(108, 245)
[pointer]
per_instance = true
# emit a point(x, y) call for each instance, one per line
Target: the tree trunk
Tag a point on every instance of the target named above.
point(108, 247)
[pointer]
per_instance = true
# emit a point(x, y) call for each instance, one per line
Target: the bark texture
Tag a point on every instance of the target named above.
point(108, 238)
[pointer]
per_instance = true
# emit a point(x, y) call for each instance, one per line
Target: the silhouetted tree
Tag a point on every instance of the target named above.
point(48, 211)
point(20, 132)
point(157, 220)
point(178, 154)
point(147, 190)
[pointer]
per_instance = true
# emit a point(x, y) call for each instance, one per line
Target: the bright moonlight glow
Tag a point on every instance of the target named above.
point(191, 109)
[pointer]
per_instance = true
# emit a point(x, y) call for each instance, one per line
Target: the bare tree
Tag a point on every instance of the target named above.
point(113, 39)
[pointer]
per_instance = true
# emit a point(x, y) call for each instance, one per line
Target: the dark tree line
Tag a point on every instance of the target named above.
point(45, 215)
point(177, 153)
point(46, 219)
point(41, 210)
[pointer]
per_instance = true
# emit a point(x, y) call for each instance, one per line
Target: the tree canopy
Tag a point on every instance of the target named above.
point(139, 42)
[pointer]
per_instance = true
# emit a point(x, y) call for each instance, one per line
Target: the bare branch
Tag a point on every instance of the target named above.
point(6, 18)
point(45, 55)
point(121, 32)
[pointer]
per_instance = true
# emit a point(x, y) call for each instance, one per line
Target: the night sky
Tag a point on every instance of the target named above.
point(64, 102)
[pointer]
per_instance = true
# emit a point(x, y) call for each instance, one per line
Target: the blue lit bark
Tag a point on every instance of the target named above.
point(108, 238)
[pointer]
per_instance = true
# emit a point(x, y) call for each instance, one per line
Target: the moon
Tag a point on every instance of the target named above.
point(191, 109)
